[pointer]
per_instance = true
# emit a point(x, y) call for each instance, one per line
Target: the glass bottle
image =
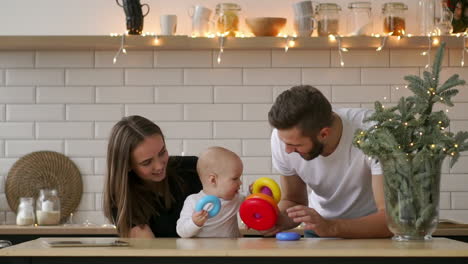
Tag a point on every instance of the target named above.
point(25, 213)
point(48, 207)
point(425, 16)
point(328, 19)
point(394, 18)
point(227, 19)
point(443, 19)
point(360, 18)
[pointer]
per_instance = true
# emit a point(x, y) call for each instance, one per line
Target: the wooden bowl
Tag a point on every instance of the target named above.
point(266, 26)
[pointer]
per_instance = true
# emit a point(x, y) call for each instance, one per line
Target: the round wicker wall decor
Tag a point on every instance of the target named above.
point(45, 169)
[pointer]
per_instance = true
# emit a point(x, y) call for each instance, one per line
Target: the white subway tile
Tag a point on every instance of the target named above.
point(459, 200)
point(356, 94)
point(14, 130)
point(456, 215)
point(10, 218)
point(256, 165)
point(5, 165)
point(3, 203)
point(213, 76)
point(398, 91)
point(412, 57)
point(243, 94)
point(16, 148)
point(85, 165)
point(2, 184)
point(125, 94)
point(456, 126)
point(462, 95)
point(35, 77)
point(255, 112)
point(16, 59)
point(17, 95)
point(78, 94)
point(242, 58)
point(98, 201)
point(64, 59)
point(162, 112)
point(102, 130)
point(86, 148)
point(256, 147)
point(184, 94)
point(386, 75)
point(2, 112)
point(153, 77)
point(454, 183)
point(94, 77)
point(3, 218)
point(87, 202)
point(458, 112)
point(2, 150)
point(301, 58)
point(368, 106)
point(62, 130)
point(446, 73)
point(360, 58)
point(197, 112)
point(100, 166)
point(174, 147)
point(455, 57)
point(461, 166)
point(133, 59)
point(323, 76)
point(182, 59)
point(275, 76)
point(242, 130)
point(88, 112)
point(187, 130)
point(2, 78)
point(195, 147)
point(325, 89)
point(445, 202)
point(52, 112)
point(93, 184)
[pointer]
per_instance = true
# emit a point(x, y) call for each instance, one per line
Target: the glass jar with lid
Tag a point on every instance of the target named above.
point(360, 19)
point(227, 18)
point(328, 18)
point(394, 18)
point(48, 207)
point(25, 213)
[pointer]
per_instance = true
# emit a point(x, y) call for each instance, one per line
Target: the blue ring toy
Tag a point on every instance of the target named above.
point(288, 236)
point(209, 199)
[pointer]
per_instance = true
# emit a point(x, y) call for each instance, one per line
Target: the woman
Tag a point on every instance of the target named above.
point(145, 188)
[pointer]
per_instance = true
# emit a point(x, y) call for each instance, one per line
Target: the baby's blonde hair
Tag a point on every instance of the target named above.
point(215, 160)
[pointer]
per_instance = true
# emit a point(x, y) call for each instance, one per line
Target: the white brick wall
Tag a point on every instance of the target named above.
point(67, 101)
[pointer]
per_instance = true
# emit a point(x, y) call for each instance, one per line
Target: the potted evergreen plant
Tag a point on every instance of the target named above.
point(411, 140)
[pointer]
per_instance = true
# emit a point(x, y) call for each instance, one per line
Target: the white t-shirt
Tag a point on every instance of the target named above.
point(224, 224)
point(340, 185)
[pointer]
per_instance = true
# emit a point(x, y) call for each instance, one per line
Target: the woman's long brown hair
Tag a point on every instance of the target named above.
point(128, 201)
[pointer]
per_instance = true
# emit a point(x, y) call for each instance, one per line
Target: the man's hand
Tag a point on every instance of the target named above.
point(199, 218)
point(281, 224)
point(312, 220)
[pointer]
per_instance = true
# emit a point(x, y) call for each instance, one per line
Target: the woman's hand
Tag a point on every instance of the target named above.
point(199, 218)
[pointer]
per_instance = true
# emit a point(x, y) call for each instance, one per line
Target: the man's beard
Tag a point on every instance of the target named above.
point(315, 151)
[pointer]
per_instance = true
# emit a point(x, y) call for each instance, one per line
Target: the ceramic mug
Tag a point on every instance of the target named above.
point(200, 19)
point(134, 15)
point(168, 24)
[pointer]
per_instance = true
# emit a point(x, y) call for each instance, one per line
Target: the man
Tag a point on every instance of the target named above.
point(312, 147)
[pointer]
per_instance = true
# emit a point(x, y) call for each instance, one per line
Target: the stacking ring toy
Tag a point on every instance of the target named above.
point(288, 236)
point(271, 184)
point(258, 214)
point(209, 199)
point(265, 197)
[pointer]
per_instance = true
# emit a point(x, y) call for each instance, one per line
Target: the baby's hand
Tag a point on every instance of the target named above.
point(199, 218)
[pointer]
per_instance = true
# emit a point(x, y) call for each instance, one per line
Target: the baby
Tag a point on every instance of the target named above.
point(220, 172)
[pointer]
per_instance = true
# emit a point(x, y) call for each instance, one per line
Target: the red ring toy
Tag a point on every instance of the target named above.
point(258, 214)
point(265, 197)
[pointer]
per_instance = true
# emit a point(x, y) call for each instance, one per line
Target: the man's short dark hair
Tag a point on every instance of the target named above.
point(303, 106)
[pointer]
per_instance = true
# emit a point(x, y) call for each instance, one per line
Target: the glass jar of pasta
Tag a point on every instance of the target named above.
point(227, 19)
point(394, 14)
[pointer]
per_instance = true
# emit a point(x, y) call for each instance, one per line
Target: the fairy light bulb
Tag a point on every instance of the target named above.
point(332, 38)
point(435, 41)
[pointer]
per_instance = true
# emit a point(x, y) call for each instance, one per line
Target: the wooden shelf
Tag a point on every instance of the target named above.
point(188, 43)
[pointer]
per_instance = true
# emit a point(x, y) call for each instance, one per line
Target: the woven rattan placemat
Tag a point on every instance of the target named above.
point(42, 170)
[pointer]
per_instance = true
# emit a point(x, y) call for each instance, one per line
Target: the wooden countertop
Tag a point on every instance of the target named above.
point(444, 229)
point(58, 230)
point(245, 247)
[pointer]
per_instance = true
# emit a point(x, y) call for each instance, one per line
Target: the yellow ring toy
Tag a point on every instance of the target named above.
point(271, 184)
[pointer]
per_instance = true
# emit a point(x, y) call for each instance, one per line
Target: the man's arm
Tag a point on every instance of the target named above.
point(370, 226)
point(294, 192)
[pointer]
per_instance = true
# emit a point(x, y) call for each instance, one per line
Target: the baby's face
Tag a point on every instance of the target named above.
point(230, 182)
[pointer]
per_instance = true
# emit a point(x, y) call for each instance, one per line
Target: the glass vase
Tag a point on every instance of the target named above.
point(412, 191)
